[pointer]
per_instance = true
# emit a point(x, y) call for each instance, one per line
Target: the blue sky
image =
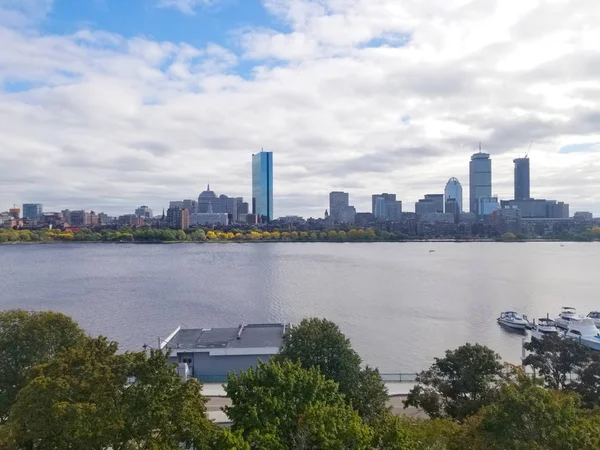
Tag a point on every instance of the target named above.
point(109, 104)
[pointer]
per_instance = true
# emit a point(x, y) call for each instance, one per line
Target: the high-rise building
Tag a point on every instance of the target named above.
point(190, 205)
point(432, 203)
point(144, 211)
point(15, 212)
point(176, 204)
point(262, 185)
point(340, 209)
point(480, 179)
point(452, 207)
point(386, 207)
point(78, 218)
point(32, 210)
point(178, 218)
point(454, 191)
point(522, 182)
point(207, 198)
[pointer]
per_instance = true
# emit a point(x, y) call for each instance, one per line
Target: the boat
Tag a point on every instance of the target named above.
point(585, 332)
point(566, 316)
point(543, 327)
point(512, 320)
point(595, 316)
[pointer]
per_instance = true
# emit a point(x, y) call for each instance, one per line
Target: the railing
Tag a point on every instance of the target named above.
point(386, 377)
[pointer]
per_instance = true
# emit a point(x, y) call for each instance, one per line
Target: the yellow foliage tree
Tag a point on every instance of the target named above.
point(275, 235)
point(266, 235)
point(211, 235)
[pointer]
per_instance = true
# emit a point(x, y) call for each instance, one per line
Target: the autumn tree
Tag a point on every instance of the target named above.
point(283, 406)
point(459, 384)
point(27, 339)
point(91, 397)
point(320, 343)
point(555, 359)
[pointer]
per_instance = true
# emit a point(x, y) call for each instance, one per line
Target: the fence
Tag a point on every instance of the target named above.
point(386, 377)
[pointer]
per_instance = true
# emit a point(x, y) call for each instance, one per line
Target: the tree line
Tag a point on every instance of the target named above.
point(194, 235)
point(62, 389)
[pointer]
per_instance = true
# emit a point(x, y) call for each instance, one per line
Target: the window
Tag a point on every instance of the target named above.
point(187, 361)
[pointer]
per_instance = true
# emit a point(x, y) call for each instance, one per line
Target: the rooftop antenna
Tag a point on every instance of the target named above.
point(479, 146)
point(528, 150)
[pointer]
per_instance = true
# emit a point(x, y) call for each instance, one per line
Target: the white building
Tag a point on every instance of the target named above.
point(208, 218)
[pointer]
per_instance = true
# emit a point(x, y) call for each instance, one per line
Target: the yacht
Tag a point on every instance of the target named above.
point(512, 320)
point(585, 332)
point(544, 327)
point(567, 315)
point(595, 316)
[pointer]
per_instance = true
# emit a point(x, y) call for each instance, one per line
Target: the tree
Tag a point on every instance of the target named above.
point(320, 343)
point(555, 359)
point(283, 406)
point(198, 235)
point(94, 398)
point(28, 339)
point(458, 385)
point(526, 416)
point(587, 384)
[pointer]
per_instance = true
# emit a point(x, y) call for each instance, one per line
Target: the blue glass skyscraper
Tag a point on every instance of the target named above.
point(262, 185)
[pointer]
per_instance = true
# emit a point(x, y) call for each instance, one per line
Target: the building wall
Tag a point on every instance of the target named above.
point(32, 210)
point(453, 190)
point(206, 366)
point(262, 184)
point(480, 179)
point(522, 182)
point(338, 201)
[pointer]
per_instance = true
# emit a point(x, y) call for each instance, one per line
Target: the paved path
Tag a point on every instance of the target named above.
point(217, 399)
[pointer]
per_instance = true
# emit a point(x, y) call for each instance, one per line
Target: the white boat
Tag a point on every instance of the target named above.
point(512, 320)
point(566, 317)
point(585, 331)
point(543, 327)
point(595, 316)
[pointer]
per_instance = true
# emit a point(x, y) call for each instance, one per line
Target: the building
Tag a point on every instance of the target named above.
point(451, 207)
point(176, 204)
point(522, 181)
point(340, 209)
point(128, 220)
point(207, 199)
point(103, 219)
point(208, 218)
point(480, 179)
point(92, 219)
point(507, 220)
point(539, 208)
point(487, 205)
point(432, 203)
point(243, 210)
point(386, 207)
point(435, 217)
point(212, 353)
point(144, 211)
point(453, 190)
point(178, 218)
point(583, 216)
point(557, 210)
point(228, 205)
point(15, 212)
point(262, 185)
point(7, 220)
point(78, 218)
point(32, 211)
point(190, 205)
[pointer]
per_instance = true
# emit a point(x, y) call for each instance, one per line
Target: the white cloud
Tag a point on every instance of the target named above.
point(185, 6)
point(107, 122)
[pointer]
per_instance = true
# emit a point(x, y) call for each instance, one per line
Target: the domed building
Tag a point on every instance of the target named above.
point(207, 198)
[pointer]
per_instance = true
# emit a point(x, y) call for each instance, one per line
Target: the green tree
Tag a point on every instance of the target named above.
point(91, 397)
point(28, 339)
point(181, 236)
point(525, 416)
point(283, 406)
point(555, 359)
point(459, 384)
point(198, 235)
point(320, 343)
point(587, 384)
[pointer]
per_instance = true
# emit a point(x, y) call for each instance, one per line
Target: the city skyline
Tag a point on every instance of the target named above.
point(109, 115)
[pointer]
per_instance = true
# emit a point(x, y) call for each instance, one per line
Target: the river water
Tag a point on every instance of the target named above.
point(400, 303)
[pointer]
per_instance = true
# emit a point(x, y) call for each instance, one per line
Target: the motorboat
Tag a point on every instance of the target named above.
point(585, 332)
point(566, 316)
point(595, 316)
point(543, 327)
point(512, 320)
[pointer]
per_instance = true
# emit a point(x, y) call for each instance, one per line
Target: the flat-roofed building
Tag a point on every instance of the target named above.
point(212, 353)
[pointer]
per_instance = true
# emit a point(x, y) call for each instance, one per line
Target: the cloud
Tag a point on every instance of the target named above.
point(185, 6)
point(23, 13)
point(359, 95)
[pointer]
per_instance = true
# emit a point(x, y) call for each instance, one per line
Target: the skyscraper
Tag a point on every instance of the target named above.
point(386, 207)
point(480, 179)
point(340, 209)
point(453, 190)
point(262, 185)
point(522, 183)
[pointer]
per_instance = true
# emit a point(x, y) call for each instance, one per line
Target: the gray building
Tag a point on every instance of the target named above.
point(207, 198)
point(452, 207)
point(144, 211)
point(432, 203)
point(583, 216)
point(212, 353)
point(386, 207)
point(538, 208)
point(78, 218)
point(480, 179)
point(32, 210)
point(178, 218)
point(339, 208)
point(208, 218)
point(190, 205)
point(176, 204)
point(522, 182)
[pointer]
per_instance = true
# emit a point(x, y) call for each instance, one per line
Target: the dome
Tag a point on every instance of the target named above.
point(207, 194)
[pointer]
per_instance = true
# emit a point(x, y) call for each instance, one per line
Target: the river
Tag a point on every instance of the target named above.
point(401, 304)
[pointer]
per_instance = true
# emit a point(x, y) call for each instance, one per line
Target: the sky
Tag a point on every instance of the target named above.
point(107, 105)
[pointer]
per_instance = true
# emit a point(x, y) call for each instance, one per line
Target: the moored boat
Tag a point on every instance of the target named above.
point(595, 316)
point(566, 317)
point(512, 320)
point(543, 327)
point(585, 332)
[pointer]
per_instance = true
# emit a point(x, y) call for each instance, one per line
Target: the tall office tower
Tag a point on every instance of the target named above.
point(386, 207)
point(453, 190)
point(522, 183)
point(32, 210)
point(262, 185)
point(338, 201)
point(207, 198)
point(480, 179)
